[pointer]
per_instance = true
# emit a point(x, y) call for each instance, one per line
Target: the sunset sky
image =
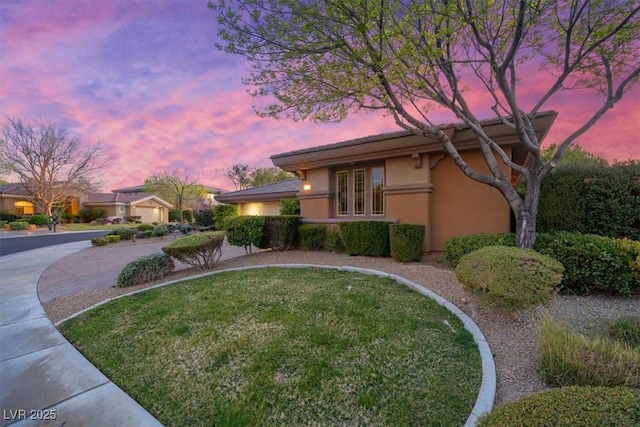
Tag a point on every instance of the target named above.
point(144, 79)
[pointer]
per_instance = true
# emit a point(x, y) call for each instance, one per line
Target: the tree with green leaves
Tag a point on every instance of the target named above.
point(51, 164)
point(245, 176)
point(176, 187)
point(410, 59)
point(574, 155)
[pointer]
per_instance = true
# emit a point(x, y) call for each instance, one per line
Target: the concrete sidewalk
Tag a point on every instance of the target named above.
point(44, 380)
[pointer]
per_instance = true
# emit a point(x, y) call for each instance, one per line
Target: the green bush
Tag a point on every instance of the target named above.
point(369, 238)
point(289, 207)
point(145, 269)
point(626, 330)
point(245, 231)
point(221, 213)
point(100, 241)
point(569, 358)
point(592, 263)
point(279, 232)
point(456, 247)
point(204, 217)
point(569, 407)
point(334, 242)
point(144, 227)
point(146, 234)
point(38, 219)
point(19, 225)
point(512, 278)
point(88, 215)
point(603, 200)
point(160, 230)
point(406, 241)
point(200, 250)
point(112, 239)
point(8, 216)
point(125, 233)
point(313, 236)
point(187, 215)
point(3, 222)
point(174, 215)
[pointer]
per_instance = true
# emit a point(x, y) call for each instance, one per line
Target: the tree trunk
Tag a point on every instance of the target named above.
point(527, 214)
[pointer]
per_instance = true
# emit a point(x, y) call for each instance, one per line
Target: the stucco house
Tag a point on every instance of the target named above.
point(16, 199)
point(140, 206)
point(262, 200)
point(405, 178)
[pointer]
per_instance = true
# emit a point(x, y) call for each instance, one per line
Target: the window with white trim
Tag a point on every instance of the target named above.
point(342, 193)
point(359, 191)
point(377, 199)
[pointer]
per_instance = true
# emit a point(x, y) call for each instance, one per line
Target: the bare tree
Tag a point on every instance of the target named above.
point(176, 187)
point(322, 59)
point(239, 174)
point(50, 163)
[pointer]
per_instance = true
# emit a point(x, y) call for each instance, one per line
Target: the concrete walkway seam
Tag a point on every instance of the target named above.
point(486, 395)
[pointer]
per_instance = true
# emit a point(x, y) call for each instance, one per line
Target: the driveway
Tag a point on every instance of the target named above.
point(98, 267)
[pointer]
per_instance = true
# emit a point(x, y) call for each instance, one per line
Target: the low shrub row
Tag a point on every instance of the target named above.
point(592, 263)
point(19, 225)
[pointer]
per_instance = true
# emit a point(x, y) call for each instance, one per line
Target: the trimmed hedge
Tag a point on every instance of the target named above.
point(245, 231)
point(279, 232)
point(200, 250)
point(289, 207)
point(313, 236)
point(204, 217)
point(456, 247)
point(125, 233)
point(603, 200)
point(513, 278)
point(19, 225)
point(334, 241)
point(406, 241)
point(592, 263)
point(145, 269)
point(569, 407)
point(369, 238)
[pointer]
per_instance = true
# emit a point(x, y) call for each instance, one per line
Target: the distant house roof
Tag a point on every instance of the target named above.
point(263, 193)
point(139, 189)
point(14, 189)
point(122, 199)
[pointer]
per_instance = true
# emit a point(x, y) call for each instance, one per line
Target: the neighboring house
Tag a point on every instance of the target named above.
point(405, 178)
point(262, 200)
point(210, 197)
point(16, 199)
point(140, 206)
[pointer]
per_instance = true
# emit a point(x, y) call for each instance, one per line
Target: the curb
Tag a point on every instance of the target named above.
point(486, 394)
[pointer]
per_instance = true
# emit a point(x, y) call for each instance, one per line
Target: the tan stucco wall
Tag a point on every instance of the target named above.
point(259, 208)
point(461, 205)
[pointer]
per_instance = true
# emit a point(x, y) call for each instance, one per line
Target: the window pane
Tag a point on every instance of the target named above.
point(359, 192)
point(377, 200)
point(342, 192)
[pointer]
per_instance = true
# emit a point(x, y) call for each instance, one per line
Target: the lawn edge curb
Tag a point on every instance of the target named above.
point(486, 394)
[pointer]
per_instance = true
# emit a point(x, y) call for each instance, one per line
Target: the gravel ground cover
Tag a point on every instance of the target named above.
point(511, 336)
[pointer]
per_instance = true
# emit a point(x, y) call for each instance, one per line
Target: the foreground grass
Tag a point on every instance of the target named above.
point(285, 347)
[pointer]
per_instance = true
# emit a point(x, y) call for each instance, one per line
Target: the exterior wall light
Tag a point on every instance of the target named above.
point(306, 187)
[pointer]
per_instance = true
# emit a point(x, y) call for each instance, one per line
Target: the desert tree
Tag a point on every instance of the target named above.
point(50, 163)
point(411, 59)
point(178, 187)
point(239, 174)
point(264, 176)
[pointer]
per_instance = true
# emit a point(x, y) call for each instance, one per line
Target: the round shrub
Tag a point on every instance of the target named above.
point(146, 269)
point(160, 231)
point(38, 219)
point(513, 278)
point(144, 227)
point(406, 241)
point(201, 250)
point(569, 406)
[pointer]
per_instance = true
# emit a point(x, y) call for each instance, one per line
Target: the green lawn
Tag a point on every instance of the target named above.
point(285, 347)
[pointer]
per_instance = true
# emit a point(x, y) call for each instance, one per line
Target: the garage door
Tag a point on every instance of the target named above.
point(148, 214)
